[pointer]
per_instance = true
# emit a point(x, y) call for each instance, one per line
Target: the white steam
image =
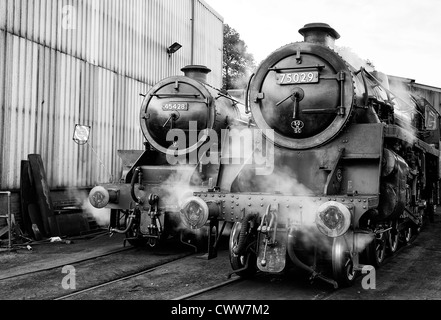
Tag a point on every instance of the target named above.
point(303, 211)
point(362, 240)
point(404, 108)
point(174, 191)
point(101, 216)
point(354, 60)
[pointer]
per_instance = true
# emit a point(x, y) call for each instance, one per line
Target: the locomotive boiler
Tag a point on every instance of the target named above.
point(356, 167)
point(179, 116)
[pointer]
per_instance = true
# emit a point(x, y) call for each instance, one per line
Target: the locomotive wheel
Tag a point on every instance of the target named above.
point(376, 250)
point(238, 262)
point(393, 237)
point(421, 224)
point(407, 234)
point(342, 263)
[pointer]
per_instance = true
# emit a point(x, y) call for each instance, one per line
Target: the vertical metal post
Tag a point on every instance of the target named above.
point(193, 5)
point(9, 218)
point(10, 221)
point(213, 235)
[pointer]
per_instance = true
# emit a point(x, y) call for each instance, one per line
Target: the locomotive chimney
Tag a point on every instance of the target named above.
point(196, 72)
point(320, 33)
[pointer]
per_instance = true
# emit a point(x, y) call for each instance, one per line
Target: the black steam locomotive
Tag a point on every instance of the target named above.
point(179, 116)
point(356, 167)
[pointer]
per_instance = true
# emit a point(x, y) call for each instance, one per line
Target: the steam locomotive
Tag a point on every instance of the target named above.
point(179, 115)
point(356, 167)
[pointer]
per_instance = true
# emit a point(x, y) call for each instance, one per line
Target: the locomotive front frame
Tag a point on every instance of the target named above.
point(280, 223)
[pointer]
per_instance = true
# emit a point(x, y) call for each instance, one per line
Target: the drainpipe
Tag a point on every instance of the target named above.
point(193, 7)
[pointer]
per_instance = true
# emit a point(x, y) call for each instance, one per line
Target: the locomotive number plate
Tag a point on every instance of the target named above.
point(175, 107)
point(298, 77)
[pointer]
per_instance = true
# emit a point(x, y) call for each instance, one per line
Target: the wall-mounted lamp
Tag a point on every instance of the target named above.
point(173, 48)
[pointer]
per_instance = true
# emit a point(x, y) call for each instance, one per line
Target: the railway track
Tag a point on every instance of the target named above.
point(121, 279)
point(166, 274)
point(62, 264)
point(296, 287)
point(291, 286)
point(40, 274)
point(184, 276)
point(208, 289)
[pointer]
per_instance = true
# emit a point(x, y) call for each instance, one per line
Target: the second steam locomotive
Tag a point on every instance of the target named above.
point(179, 116)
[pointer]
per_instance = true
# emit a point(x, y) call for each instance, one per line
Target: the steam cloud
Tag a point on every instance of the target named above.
point(284, 181)
point(404, 108)
point(101, 216)
point(176, 189)
point(353, 59)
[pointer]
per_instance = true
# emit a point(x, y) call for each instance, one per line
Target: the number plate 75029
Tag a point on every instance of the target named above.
point(298, 77)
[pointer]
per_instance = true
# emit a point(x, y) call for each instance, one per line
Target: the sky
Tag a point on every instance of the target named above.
point(401, 37)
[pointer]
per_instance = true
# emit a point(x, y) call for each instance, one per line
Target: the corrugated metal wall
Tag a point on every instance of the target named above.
point(206, 36)
point(64, 62)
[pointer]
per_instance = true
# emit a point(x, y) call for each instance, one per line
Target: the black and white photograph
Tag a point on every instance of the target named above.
point(220, 158)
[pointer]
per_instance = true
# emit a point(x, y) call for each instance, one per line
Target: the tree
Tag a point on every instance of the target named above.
point(237, 62)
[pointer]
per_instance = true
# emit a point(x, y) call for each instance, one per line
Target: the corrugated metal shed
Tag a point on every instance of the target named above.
point(64, 62)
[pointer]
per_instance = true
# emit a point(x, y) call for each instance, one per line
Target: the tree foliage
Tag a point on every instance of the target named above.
point(237, 62)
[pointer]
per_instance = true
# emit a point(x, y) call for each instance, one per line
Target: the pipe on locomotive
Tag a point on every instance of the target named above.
point(130, 220)
point(291, 253)
point(137, 174)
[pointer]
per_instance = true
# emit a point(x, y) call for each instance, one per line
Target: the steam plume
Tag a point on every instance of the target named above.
point(101, 216)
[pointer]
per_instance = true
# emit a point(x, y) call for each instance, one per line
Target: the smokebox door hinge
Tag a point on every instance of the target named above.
point(259, 96)
point(298, 57)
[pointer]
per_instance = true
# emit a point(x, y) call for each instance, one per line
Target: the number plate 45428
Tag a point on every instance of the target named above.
point(182, 106)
